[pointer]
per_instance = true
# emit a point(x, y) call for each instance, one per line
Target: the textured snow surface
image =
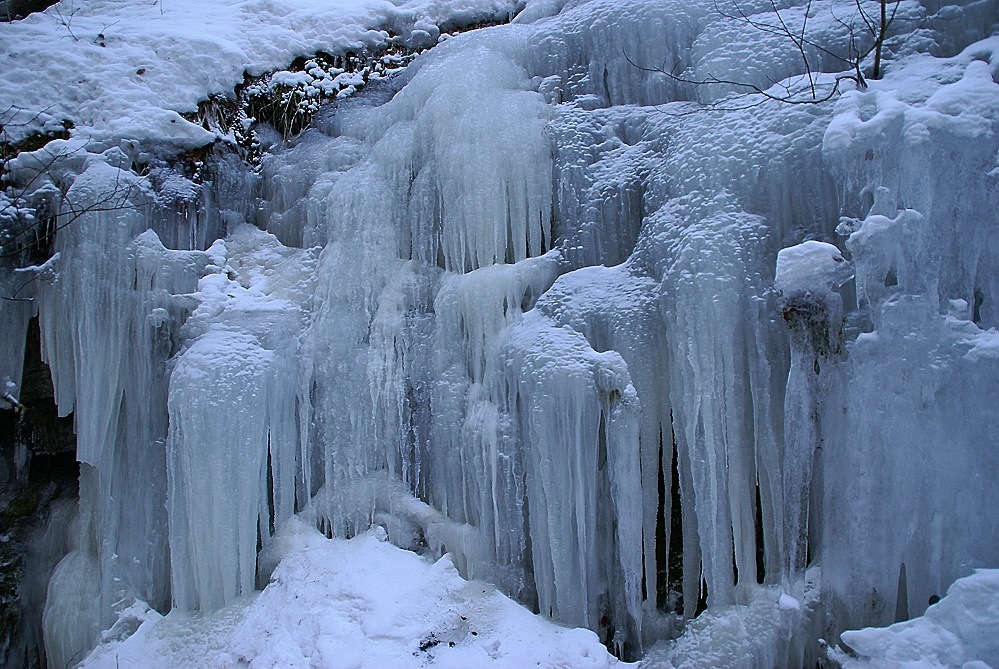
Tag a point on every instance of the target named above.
point(959, 631)
point(360, 603)
point(741, 635)
point(810, 267)
point(121, 71)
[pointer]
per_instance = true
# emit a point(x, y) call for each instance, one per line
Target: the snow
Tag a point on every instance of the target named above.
point(741, 635)
point(789, 603)
point(810, 267)
point(120, 71)
point(359, 603)
point(957, 631)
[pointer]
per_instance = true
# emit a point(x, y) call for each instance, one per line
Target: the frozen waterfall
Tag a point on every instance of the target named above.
point(625, 347)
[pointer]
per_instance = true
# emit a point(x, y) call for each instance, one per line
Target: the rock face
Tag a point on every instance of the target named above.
point(39, 483)
point(12, 10)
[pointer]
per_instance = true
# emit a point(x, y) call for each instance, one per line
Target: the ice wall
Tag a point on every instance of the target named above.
point(924, 281)
point(449, 216)
point(526, 303)
point(104, 316)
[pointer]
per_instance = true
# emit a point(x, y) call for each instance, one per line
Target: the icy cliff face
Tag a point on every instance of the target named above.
point(622, 345)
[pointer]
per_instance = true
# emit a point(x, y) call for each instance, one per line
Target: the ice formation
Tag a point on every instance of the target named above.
point(628, 347)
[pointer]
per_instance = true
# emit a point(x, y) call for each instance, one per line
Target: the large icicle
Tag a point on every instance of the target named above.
point(477, 466)
point(722, 387)
point(16, 310)
point(617, 310)
point(233, 433)
point(579, 425)
point(218, 456)
point(807, 276)
point(457, 176)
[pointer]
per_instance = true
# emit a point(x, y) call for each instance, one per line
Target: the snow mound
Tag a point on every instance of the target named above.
point(358, 603)
point(759, 633)
point(810, 267)
point(958, 631)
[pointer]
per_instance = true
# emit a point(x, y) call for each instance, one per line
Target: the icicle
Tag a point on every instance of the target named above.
point(579, 425)
point(217, 457)
point(807, 276)
point(476, 465)
point(233, 437)
point(16, 309)
point(616, 309)
point(720, 382)
point(105, 327)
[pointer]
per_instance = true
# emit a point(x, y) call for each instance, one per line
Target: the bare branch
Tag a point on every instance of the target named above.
point(871, 28)
point(67, 21)
point(807, 49)
point(750, 88)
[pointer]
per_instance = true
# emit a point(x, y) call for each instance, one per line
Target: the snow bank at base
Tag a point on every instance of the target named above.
point(959, 631)
point(358, 603)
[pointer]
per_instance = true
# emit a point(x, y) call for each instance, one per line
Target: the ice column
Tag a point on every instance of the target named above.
point(909, 451)
point(476, 463)
point(579, 426)
point(15, 312)
point(722, 384)
point(233, 442)
point(807, 276)
point(456, 177)
point(218, 456)
point(617, 309)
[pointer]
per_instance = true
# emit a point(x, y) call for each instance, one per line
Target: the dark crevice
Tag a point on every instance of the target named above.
point(15, 10)
point(976, 308)
point(671, 594)
point(38, 468)
point(761, 569)
point(890, 278)
point(702, 597)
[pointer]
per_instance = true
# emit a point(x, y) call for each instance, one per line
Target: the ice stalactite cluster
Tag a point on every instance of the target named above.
point(533, 304)
point(925, 273)
point(233, 423)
